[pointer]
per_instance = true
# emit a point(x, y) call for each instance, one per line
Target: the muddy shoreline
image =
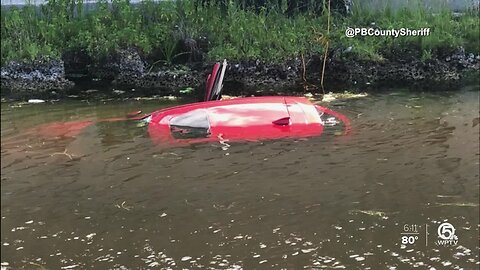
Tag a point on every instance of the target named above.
point(128, 73)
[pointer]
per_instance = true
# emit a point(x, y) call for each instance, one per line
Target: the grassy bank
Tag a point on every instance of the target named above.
point(160, 29)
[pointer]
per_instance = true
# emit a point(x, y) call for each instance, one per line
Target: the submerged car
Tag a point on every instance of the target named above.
point(247, 118)
point(251, 119)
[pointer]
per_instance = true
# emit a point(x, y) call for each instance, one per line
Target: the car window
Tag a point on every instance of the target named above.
point(193, 124)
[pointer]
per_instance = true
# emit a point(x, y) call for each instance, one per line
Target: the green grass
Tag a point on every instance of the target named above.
point(269, 35)
point(446, 32)
point(248, 35)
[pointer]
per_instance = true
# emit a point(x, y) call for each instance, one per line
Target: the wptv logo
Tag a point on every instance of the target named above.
point(446, 235)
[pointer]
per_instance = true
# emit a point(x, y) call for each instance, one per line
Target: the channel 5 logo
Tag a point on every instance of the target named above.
point(446, 235)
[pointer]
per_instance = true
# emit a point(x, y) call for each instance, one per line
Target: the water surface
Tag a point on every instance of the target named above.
point(109, 199)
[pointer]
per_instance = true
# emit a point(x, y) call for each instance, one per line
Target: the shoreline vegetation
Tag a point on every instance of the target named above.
point(168, 45)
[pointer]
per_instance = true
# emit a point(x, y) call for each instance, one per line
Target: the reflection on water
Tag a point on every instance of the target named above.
point(109, 199)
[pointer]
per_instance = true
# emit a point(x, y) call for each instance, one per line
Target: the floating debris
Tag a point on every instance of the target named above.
point(36, 101)
point(70, 266)
point(18, 228)
point(468, 204)
point(118, 92)
point(186, 90)
point(223, 142)
point(123, 206)
point(345, 95)
point(447, 196)
point(446, 263)
point(375, 213)
point(308, 250)
point(153, 264)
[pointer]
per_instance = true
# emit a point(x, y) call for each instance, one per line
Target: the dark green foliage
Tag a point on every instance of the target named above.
point(63, 25)
point(270, 30)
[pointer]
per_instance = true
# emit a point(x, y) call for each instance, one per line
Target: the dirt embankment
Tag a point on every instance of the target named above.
point(127, 69)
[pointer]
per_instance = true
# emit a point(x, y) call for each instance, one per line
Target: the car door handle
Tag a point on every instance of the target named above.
point(285, 121)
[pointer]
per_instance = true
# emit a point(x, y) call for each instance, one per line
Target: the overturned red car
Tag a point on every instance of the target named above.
point(248, 118)
point(251, 119)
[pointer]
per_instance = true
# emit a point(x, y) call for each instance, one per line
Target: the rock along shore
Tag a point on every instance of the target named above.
point(127, 69)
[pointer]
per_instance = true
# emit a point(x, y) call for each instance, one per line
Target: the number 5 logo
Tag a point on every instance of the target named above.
point(446, 231)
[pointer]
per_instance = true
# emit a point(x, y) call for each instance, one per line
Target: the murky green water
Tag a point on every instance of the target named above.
point(109, 199)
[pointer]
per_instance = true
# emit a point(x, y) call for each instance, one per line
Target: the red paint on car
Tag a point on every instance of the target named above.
point(251, 118)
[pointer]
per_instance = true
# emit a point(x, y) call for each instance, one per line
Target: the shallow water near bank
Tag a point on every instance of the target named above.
point(109, 199)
